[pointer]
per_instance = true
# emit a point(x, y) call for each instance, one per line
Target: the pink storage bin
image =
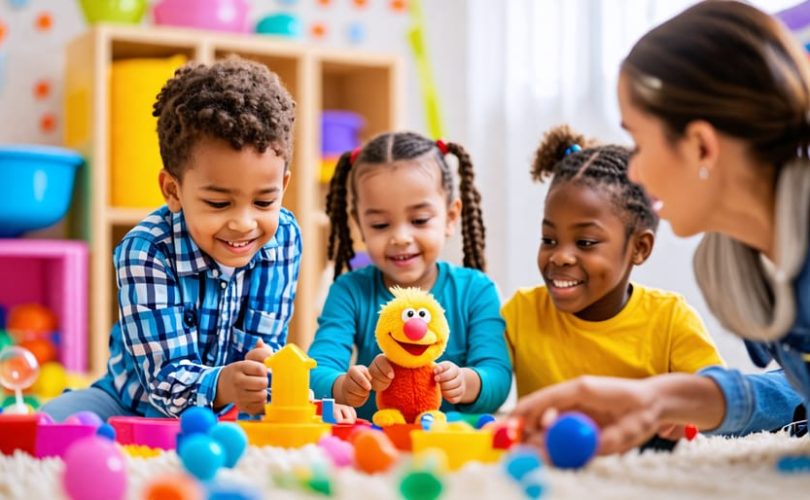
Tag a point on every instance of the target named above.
point(53, 440)
point(52, 273)
point(152, 432)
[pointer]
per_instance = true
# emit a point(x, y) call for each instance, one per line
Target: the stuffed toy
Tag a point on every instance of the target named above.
point(412, 333)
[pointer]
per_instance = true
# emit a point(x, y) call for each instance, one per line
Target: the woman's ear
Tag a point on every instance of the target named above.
point(701, 143)
point(453, 215)
point(643, 242)
point(170, 187)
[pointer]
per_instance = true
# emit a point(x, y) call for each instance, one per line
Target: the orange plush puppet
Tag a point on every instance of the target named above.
point(412, 333)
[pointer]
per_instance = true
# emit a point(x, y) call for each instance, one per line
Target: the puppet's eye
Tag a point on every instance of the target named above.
point(424, 314)
point(408, 314)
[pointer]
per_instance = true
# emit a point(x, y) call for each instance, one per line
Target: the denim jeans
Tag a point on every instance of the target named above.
point(93, 399)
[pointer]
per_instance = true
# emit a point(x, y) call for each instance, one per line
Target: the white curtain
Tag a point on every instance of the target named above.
point(537, 63)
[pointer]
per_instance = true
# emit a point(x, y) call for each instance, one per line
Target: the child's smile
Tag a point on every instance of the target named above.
point(231, 199)
point(585, 255)
point(404, 219)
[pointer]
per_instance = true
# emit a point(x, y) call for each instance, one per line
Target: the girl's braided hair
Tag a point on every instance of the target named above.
point(386, 149)
point(568, 156)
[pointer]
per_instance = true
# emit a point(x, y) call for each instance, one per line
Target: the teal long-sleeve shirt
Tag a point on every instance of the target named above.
point(472, 307)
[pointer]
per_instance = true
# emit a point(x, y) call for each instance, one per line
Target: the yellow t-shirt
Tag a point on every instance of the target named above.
point(656, 332)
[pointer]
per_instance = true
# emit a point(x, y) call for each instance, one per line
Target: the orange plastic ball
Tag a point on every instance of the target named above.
point(30, 321)
point(173, 487)
point(42, 349)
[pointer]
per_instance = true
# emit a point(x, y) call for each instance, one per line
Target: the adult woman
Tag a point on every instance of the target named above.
point(717, 100)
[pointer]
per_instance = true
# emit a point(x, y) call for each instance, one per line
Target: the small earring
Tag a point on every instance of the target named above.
point(703, 173)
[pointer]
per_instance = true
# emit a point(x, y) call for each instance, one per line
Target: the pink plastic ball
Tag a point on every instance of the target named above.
point(339, 451)
point(95, 469)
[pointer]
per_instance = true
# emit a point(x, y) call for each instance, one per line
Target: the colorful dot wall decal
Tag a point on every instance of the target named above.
point(42, 89)
point(44, 21)
point(318, 30)
point(399, 5)
point(47, 122)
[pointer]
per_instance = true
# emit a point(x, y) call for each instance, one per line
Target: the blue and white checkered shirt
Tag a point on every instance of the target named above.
point(181, 321)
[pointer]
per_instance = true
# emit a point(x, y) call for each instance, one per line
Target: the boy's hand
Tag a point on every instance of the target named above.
point(382, 373)
point(354, 387)
point(345, 414)
point(259, 353)
point(451, 381)
point(243, 383)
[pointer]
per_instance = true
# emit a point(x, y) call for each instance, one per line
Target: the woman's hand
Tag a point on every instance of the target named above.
point(628, 412)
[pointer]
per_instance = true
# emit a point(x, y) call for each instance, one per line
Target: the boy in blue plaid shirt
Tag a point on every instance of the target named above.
point(207, 282)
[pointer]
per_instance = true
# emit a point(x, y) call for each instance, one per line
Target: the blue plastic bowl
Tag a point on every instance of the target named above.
point(36, 184)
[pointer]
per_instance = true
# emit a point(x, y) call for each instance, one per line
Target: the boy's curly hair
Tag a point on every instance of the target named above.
point(596, 166)
point(235, 100)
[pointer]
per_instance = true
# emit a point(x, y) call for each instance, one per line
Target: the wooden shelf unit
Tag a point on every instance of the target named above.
point(318, 78)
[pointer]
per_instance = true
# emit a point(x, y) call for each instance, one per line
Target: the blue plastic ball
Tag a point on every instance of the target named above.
point(87, 417)
point(221, 490)
point(197, 420)
point(356, 34)
point(454, 416)
point(202, 456)
point(426, 421)
point(106, 431)
point(787, 465)
point(520, 461)
point(233, 440)
point(483, 420)
point(571, 441)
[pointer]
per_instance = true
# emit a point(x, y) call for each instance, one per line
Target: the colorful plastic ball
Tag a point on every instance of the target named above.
point(484, 420)
point(173, 487)
point(18, 368)
point(94, 469)
point(690, 432)
point(43, 349)
point(229, 490)
point(421, 485)
point(5, 340)
point(233, 440)
point(44, 419)
point(52, 380)
point(453, 416)
point(426, 421)
point(533, 484)
point(197, 420)
point(794, 464)
point(106, 431)
point(339, 451)
point(202, 456)
point(30, 321)
point(520, 461)
point(87, 417)
point(571, 440)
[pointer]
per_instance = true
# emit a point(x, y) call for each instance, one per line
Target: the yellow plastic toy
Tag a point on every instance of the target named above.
point(412, 332)
point(290, 419)
point(461, 444)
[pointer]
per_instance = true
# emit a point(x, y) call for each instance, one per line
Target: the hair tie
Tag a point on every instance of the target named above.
point(354, 155)
point(442, 146)
point(573, 148)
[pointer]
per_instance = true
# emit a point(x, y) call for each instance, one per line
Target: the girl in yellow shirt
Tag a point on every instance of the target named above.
point(588, 318)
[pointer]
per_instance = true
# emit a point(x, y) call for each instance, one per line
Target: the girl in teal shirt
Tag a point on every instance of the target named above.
point(401, 198)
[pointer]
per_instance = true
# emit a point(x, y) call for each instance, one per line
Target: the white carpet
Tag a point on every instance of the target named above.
point(704, 468)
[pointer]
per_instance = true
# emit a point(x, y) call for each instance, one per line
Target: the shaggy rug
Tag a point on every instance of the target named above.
point(708, 467)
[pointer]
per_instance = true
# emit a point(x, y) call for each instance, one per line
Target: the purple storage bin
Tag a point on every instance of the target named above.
point(53, 440)
point(152, 432)
point(340, 132)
